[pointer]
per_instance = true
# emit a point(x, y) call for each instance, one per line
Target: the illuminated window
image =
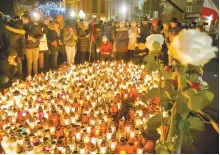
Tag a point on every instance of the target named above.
point(189, 9)
point(95, 6)
point(102, 6)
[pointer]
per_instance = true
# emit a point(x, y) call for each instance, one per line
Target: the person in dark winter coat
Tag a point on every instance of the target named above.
point(121, 37)
point(53, 42)
point(7, 72)
point(14, 36)
point(155, 28)
point(107, 30)
point(174, 29)
point(165, 34)
point(98, 36)
point(84, 41)
point(144, 31)
point(32, 47)
point(93, 45)
point(1, 32)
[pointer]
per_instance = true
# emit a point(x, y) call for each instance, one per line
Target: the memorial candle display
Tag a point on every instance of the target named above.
point(77, 109)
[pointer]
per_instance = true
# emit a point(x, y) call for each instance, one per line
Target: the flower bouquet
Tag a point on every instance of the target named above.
point(183, 93)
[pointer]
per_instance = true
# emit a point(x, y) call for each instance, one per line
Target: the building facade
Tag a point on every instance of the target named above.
point(194, 6)
point(22, 5)
point(98, 8)
point(193, 9)
point(123, 9)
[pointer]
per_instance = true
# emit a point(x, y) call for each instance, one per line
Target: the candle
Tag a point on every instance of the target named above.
point(93, 149)
point(86, 139)
point(78, 136)
point(82, 149)
point(52, 130)
point(149, 146)
point(113, 144)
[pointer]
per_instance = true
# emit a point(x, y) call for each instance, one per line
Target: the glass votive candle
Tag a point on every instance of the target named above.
point(113, 144)
point(86, 139)
point(82, 149)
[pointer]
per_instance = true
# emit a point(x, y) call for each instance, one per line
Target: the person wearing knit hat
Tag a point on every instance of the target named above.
point(144, 30)
point(155, 29)
point(14, 36)
point(174, 29)
point(106, 48)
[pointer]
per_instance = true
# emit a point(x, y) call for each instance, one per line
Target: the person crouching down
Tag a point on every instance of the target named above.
point(70, 39)
point(105, 49)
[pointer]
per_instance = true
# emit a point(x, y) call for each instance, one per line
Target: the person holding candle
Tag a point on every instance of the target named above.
point(70, 38)
point(53, 41)
point(106, 48)
point(84, 40)
point(133, 35)
point(34, 33)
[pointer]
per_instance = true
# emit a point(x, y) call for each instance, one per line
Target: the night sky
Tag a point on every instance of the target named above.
point(6, 6)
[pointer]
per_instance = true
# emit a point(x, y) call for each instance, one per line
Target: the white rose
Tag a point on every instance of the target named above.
point(152, 38)
point(192, 47)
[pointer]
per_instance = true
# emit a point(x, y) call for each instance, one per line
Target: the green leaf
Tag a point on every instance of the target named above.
point(209, 96)
point(161, 149)
point(154, 122)
point(196, 123)
point(166, 75)
point(190, 92)
point(156, 45)
point(193, 78)
point(184, 126)
point(188, 140)
point(165, 102)
point(149, 59)
point(144, 99)
point(183, 82)
point(182, 107)
point(153, 93)
point(201, 100)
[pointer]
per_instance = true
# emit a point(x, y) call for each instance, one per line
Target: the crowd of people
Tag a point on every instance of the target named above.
point(36, 42)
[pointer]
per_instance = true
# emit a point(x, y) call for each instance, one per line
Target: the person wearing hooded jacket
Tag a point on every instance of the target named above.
point(53, 42)
point(144, 30)
point(14, 36)
point(155, 28)
point(34, 34)
point(70, 37)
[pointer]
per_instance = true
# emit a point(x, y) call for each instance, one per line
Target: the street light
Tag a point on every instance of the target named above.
point(73, 14)
point(36, 16)
point(123, 9)
point(82, 14)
